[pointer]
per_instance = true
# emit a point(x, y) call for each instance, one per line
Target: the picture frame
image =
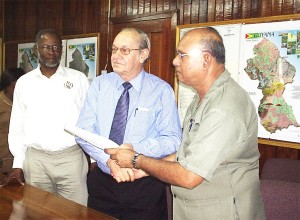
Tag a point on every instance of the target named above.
point(82, 53)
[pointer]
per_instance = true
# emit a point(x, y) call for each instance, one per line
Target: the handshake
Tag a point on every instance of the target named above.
point(123, 163)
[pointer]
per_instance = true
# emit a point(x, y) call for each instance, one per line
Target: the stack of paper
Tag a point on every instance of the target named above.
point(94, 139)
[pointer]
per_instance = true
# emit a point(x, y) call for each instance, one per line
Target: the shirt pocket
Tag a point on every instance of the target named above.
point(143, 122)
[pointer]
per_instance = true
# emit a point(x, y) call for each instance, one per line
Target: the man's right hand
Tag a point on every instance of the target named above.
point(120, 174)
point(16, 175)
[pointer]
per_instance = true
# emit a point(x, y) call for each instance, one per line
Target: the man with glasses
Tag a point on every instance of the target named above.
point(150, 125)
point(45, 99)
point(214, 174)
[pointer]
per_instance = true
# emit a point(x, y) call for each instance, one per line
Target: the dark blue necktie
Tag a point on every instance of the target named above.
point(118, 126)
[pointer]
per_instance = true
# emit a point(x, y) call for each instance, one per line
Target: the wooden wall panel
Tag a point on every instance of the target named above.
point(187, 13)
point(288, 6)
point(219, 10)
point(54, 15)
point(15, 16)
point(24, 17)
point(266, 8)
point(211, 12)
point(155, 63)
point(236, 9)
point(203, 11)
point(73, 18)
point(228, 9)
point(194, 14)
point(246, 9)
point(1, 20)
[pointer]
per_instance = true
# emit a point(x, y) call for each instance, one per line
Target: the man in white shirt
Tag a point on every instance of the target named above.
point(45, 100)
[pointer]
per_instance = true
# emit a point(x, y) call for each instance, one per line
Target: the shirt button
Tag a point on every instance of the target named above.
point(174, 195)
point(177, 158)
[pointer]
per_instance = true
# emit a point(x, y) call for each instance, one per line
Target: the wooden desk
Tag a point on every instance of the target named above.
point(27, 202)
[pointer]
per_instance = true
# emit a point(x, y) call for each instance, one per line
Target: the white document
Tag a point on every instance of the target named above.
point(94, 139)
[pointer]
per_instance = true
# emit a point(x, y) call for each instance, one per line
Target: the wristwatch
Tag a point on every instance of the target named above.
point(134, 160)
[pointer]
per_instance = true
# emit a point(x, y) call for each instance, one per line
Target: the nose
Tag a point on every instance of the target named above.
point(51, 50)
point(176, 61)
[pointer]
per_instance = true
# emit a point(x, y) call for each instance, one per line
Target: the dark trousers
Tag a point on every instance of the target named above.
point(144, 198)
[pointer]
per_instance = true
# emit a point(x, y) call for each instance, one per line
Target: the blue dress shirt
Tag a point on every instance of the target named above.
point(153, 126)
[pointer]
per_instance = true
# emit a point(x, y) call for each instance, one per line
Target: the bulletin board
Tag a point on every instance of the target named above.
point(263, 56)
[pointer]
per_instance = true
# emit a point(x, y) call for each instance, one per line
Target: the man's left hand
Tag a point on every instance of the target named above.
point(123, 157)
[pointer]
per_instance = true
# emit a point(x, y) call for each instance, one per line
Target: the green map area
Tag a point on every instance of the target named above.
point(273, 72)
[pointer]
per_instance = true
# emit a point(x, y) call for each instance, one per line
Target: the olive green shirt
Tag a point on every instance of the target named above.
point(220, 144)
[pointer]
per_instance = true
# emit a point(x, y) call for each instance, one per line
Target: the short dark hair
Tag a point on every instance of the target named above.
point(46, 31)
point(214, 45)
point(9, 76)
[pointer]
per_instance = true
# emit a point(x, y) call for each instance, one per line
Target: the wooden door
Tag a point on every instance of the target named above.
point(161, 29)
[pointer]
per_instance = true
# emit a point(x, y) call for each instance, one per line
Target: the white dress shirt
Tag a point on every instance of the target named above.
point(41, 109)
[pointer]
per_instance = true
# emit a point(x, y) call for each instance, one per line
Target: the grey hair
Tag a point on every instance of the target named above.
point(144, 41)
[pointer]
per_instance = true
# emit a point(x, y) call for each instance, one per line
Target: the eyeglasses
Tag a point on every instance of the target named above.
point(47, 48)
point(123, 50)
point(180, 55)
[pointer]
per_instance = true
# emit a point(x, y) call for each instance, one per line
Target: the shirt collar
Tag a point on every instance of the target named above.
point(218, 82)
point(59, 72)
point(136, 82)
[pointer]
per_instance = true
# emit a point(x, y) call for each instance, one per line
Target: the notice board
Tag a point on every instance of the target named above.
point(263, 56)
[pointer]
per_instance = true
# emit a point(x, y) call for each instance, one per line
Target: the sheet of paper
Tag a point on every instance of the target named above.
point(94, 139)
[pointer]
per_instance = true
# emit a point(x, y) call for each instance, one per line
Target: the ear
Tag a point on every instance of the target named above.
point(207, 59)
point(144, 55)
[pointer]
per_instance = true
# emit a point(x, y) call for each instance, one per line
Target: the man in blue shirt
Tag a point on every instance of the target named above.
point(152, 128)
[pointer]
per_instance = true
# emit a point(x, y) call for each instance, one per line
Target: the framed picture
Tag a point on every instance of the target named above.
point(82, 54)
point(27, 59)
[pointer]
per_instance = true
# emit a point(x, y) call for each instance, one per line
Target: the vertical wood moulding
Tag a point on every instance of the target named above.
point(203, 11)
point(211, 12)
point(186, 13)
point(266, 8)
point(160, 5)
point(129, 7)
point(228, 9)
point(147, 6)
point(297, 6)
point(135, 7)
point(141, 7)
point(219, 14)
point(237, 9)
point(277, 7)
point(255, 8)
point(195, 12)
